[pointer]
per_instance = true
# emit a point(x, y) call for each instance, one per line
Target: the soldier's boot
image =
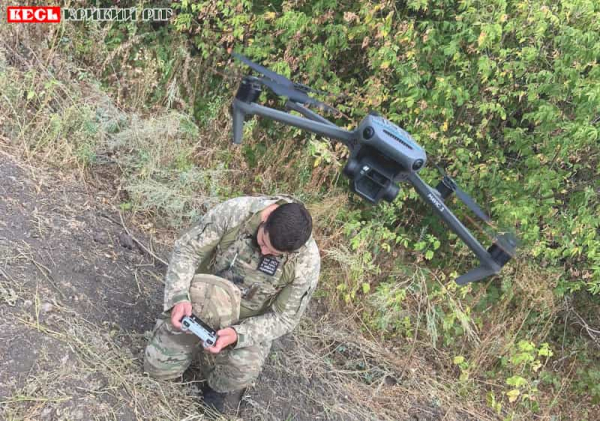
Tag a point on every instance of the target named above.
point(225, 403)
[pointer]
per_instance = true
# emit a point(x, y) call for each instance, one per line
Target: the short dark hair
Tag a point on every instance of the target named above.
point(289, 227)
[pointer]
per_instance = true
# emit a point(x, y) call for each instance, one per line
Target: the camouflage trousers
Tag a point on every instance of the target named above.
point(170, 351)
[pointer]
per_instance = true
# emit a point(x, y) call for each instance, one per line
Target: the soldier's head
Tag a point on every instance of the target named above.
point(286, 229)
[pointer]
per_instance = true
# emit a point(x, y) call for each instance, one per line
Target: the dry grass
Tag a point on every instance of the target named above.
point(363, 378)
point(51, 117)
point(83, 371)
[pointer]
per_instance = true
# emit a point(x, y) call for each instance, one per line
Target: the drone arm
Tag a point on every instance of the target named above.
point(328, 129)
point(488, 265)
point(307, 113)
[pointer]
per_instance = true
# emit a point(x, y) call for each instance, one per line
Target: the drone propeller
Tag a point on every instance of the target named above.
point(282, 86)
point(449, 184)
point(275, 77)
point(296, 96)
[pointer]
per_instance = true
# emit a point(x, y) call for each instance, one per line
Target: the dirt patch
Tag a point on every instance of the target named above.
point(77, 291)
point(75, 286)
point(64, 269)
point(58, 238)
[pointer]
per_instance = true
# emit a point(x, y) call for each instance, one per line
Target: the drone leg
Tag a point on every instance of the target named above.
point(474, 275)
point(238, 123)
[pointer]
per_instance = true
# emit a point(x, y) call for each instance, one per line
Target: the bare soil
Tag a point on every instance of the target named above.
point(64, 265)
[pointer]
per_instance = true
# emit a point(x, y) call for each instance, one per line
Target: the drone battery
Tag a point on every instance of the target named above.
point(392, 142)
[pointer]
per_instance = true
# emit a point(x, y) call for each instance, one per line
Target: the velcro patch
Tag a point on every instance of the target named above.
point(268, 265)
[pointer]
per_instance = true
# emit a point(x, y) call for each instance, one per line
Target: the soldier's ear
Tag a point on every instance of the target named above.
point(264, 215)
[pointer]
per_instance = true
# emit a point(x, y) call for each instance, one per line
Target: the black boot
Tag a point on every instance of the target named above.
point(227, 402)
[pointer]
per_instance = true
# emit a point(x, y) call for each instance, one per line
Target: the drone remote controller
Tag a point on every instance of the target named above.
point(200, 329)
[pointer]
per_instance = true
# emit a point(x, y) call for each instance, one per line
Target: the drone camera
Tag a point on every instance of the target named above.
point(370, 180)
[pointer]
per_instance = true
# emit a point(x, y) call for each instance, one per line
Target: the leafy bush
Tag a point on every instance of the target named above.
point(505, 94)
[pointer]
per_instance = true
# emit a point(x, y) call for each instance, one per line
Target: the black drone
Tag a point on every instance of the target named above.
point(381, 156)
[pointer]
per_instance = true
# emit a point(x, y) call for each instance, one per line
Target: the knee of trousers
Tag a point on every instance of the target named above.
point(160, 372)
point(169, 353)
point(238, 368)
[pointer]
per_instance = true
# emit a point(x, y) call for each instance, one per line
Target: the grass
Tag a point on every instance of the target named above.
point(98, 367)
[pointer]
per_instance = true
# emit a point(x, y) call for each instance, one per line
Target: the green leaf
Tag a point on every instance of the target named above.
point(513, 395)
point(516, 381)
point(526, 346)
point(545, 350)
point(366, 288)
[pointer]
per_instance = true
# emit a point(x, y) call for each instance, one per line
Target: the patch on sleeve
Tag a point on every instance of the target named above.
point(268, 265)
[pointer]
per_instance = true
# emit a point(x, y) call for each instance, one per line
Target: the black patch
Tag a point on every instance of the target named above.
point(268, 265)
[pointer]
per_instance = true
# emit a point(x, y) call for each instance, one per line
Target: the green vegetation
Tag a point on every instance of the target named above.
point(504, 94)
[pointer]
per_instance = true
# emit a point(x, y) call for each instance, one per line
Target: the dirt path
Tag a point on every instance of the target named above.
point(65, 269)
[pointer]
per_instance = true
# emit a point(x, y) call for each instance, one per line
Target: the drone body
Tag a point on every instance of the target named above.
point(384, 155)
point(381, 155)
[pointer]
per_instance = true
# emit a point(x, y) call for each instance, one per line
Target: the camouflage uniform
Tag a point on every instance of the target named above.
point(272, 295)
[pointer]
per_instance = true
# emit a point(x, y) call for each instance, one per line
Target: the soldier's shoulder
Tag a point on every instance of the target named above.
point(308, 256)
point(240, 202)
point(312, 249)
point(250, 203)
point(238, 207)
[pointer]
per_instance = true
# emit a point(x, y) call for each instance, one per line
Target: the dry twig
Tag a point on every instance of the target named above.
point(138, 242)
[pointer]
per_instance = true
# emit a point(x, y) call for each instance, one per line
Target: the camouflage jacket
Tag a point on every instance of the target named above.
point(271, 305)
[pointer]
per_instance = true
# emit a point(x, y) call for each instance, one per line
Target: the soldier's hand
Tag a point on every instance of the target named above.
point(225, 337)
point(179, 311)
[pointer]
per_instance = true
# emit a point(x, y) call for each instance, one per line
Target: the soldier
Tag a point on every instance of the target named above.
point(266, 265)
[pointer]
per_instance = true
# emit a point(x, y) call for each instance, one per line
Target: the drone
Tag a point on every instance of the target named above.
point(381, 155)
